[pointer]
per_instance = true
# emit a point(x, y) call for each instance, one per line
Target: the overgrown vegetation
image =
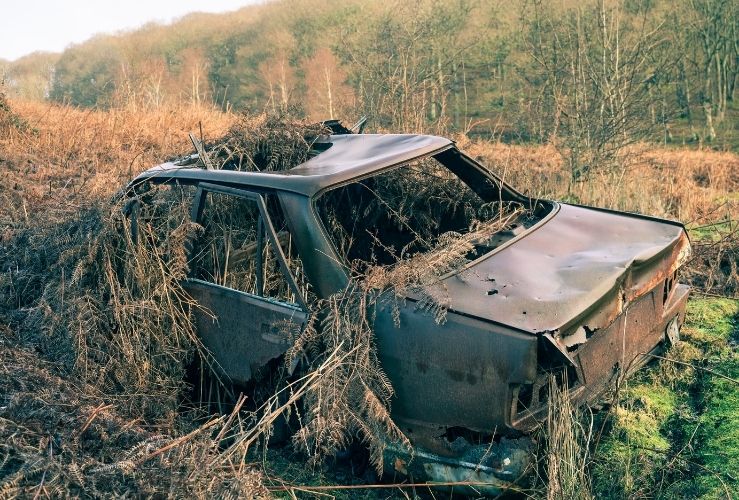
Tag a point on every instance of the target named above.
point(73, 286)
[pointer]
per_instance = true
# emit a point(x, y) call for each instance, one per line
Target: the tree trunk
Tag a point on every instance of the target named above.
point(707, 108)
point(710, 131)
point(719, 91)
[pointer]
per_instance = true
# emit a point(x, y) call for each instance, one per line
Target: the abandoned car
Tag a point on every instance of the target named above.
point(584, 293)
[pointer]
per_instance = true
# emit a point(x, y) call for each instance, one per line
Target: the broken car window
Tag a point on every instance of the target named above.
point(236, 252)
point(395, 214)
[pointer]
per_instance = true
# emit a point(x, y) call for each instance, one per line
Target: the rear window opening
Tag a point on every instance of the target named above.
point(418, 207)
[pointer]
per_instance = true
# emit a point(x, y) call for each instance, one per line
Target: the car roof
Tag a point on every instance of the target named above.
point(348, 157)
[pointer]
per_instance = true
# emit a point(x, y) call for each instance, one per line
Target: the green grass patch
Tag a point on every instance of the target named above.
point(675, 430)
point(712, 232)
point(714, 324)
point(635, 447)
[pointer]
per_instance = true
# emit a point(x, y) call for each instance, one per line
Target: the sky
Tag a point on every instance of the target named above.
point(51, 25)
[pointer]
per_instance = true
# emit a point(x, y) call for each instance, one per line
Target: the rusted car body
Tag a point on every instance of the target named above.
point(584, 293)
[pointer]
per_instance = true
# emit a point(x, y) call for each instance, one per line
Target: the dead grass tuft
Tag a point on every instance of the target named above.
point(59, 439)
point(566, 443)
point(109, 308)
point(81, 289)
point(265, 143)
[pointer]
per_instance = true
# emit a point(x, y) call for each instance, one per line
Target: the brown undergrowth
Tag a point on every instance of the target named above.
point(59, 438)
point(85, 299)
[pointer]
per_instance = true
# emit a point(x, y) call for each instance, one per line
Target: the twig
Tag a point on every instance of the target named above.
point(180, 440)
point(708, 370)
point(288, 487)
point(717, 295)
point(92, 417)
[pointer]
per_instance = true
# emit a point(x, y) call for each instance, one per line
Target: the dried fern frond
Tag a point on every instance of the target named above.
point(353, 399)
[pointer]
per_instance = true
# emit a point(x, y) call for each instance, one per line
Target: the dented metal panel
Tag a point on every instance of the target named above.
point(242, 331)
point(612, 352)
point(580, 262)
point(453, 374)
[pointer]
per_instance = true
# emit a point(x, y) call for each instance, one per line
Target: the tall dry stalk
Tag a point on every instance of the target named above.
point(568, 438)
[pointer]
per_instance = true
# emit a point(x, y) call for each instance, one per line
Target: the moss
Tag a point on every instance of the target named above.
point(711, 320)
point(679, 375)
point(636, 447)
point(717, 437)
point(675, 432)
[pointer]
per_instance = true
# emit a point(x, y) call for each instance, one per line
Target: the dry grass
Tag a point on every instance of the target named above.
point(67, 158)
point(76, 288)
point(61, 438)
point(687, 185)
point(566, 443)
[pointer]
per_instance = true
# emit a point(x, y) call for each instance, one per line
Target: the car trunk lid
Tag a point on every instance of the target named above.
point(579, 262)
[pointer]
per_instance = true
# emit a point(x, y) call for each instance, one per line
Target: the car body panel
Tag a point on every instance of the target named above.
point(453, 374)
point(349, 157)
point(578, 260)
point(585, 295)
point(242, 331)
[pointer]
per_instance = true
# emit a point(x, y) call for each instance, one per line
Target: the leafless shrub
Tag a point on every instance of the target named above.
point(597, 70)
point(9, 120)
point(713, 267)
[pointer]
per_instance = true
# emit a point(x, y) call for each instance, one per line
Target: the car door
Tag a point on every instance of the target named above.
point(252, 307)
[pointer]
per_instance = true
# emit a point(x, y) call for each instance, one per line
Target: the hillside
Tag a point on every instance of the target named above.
point(513, 71)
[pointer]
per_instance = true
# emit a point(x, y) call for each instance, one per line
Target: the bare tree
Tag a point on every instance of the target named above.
point(710, 30)
point(406, 61)
point(597, 71)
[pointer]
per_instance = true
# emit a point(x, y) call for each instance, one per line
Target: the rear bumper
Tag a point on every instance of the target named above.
point(610, 354)
point(479, 470)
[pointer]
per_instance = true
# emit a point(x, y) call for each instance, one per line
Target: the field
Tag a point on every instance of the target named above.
point(672, 432)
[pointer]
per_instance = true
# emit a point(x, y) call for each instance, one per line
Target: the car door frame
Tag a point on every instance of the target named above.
point(240, 356)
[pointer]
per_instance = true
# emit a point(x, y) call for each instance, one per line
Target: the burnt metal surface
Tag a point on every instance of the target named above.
point(609, 354)
point(242, 331)
point(488, 468)
point(579, 263)
point(455, 374)
point(349, 157)
point(584, 294)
